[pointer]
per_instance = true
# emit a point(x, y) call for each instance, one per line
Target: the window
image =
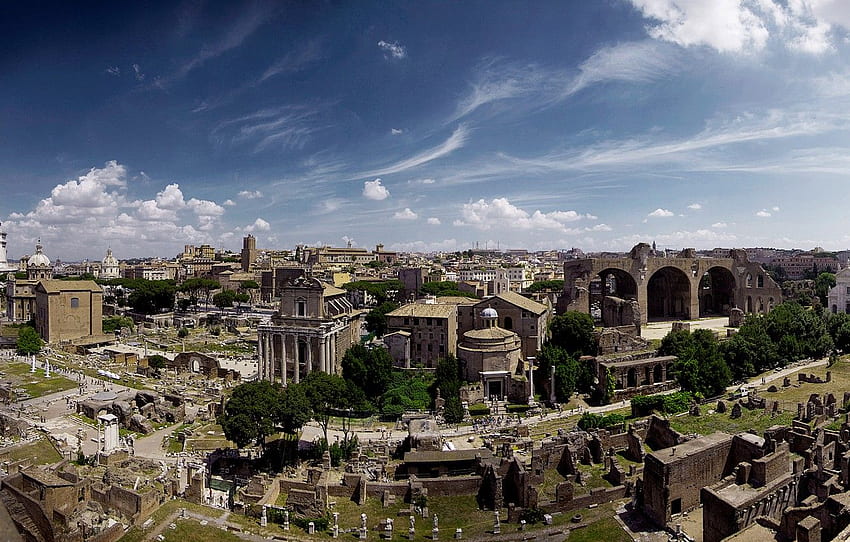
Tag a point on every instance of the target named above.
point(75, 302)
point(407, 321)
point(416, 321)
point(760, 281)
point(301, 307)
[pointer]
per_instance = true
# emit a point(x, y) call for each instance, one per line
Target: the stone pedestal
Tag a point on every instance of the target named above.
point(435, 534)
point(458, 533)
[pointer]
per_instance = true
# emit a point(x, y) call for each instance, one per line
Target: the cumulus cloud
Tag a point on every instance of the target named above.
point(229, 203)
point(113, 70)
point(433, 221)
point(258, 225)
point(484, 215)
point(250, 194)
point(661, 213)
point(374, 190)
point(764, 213)
point(734, 26)
point(719, 225)
point(396, 131)
point(392, 49)
point(775, 209)
point(695, 206)
point(405, 214)
point(82, 215)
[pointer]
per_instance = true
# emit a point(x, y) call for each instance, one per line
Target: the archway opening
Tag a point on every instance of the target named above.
point(615, 283)
point(668, 295)
point(716, 292)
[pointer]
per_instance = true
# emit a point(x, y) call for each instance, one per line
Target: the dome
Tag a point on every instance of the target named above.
point(38, 259)
point(489, 313)
point(110, 259)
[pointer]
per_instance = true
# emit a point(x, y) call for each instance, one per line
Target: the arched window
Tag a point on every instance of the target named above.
point(509, 323)
point(749, 281)
point(760, 281)
point(75, 302)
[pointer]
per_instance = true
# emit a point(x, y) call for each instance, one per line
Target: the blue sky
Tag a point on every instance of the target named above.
point(424, 125)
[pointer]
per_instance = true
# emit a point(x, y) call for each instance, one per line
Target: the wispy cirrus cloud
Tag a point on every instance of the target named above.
point(282, 127)
point(455, 141)
point(532, 86)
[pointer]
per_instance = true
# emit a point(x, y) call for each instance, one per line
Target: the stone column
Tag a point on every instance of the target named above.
point(309, 361)
point(322, 356)
point(283, 358)
point(297, 364)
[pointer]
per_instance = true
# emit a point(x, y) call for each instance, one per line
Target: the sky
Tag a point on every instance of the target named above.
point(424, 126)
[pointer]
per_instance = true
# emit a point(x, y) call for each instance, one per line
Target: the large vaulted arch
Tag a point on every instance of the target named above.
point(716, 292)
point(669, 294)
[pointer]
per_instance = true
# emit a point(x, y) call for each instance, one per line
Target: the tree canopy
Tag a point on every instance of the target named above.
point(251, 413)
point(376, 319)
point(370, 369)
point(382, 291)
point(29, 342)
point(152, 296)
point(573, 331)
point(700, 367)
point(546, 286)
point(444, 288)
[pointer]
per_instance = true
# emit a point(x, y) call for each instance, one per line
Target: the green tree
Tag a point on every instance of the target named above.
point(250, 287)
point(700, 366)
point(29, 342)
point(376, 319)
point(327, 394)
point(251, 413)
point(199, 287)
point(453, 410)
point(224, 299)
point(370, 369)
point(152, 296)
point(823, 283)
point(241, 299)
point(114, 323)
point(546, 286)
point(566, 370)
point(444, 288)
point(405, 393)
point(157, 363)
point(447, 377)
point(573, 331)
point(295, 409)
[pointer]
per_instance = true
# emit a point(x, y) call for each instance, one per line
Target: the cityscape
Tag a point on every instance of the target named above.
point(409, 271)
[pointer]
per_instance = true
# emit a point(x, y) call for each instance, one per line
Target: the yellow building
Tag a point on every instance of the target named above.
point(68, 310)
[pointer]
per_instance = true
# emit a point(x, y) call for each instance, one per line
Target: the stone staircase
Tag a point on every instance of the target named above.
point(21, 518)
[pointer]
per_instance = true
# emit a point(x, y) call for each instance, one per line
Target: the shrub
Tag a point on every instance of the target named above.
point(183, 332)
point(479, 409)
point(672, 403)
point(518, 408)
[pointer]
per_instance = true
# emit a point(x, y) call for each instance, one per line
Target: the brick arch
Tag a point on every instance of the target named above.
point(669, 294)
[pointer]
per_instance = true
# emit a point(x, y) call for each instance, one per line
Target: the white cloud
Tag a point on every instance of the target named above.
point(80, 217)
point(250, 194)
point(661, 213)
point(396, 131)
point(719, 225)
point(446, 245)
point(137, 70)
point(113, 70)
point(633, 62)
point(392, 49)
point(454, 142)
point(433, 221)
point(695, 206)
point(229, 203)
point(374, 190)
point(599, 227)
point(734, 26)
point(258, 225)
point(500, 212)
point(406, 214)
point(775, 209)
point(764, 213)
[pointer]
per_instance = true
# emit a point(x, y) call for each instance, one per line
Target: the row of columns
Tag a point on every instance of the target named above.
point(269, 339)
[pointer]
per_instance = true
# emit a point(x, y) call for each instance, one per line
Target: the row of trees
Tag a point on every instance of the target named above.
point(788, 333)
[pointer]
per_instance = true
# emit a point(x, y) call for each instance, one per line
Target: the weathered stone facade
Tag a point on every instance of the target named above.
point(684, 287)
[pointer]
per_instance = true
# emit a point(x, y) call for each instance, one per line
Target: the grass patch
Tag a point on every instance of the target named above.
point(192, 531)
point(46, 386)
point(606, 529)
point(41, 452)
point(755, 420)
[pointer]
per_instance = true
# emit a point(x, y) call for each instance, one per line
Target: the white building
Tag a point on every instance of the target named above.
point(838, 299)
point(109, 268)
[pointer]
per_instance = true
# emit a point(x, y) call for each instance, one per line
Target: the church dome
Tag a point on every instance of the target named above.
point(110, 259)
point(489, 313)
point(39, 259)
